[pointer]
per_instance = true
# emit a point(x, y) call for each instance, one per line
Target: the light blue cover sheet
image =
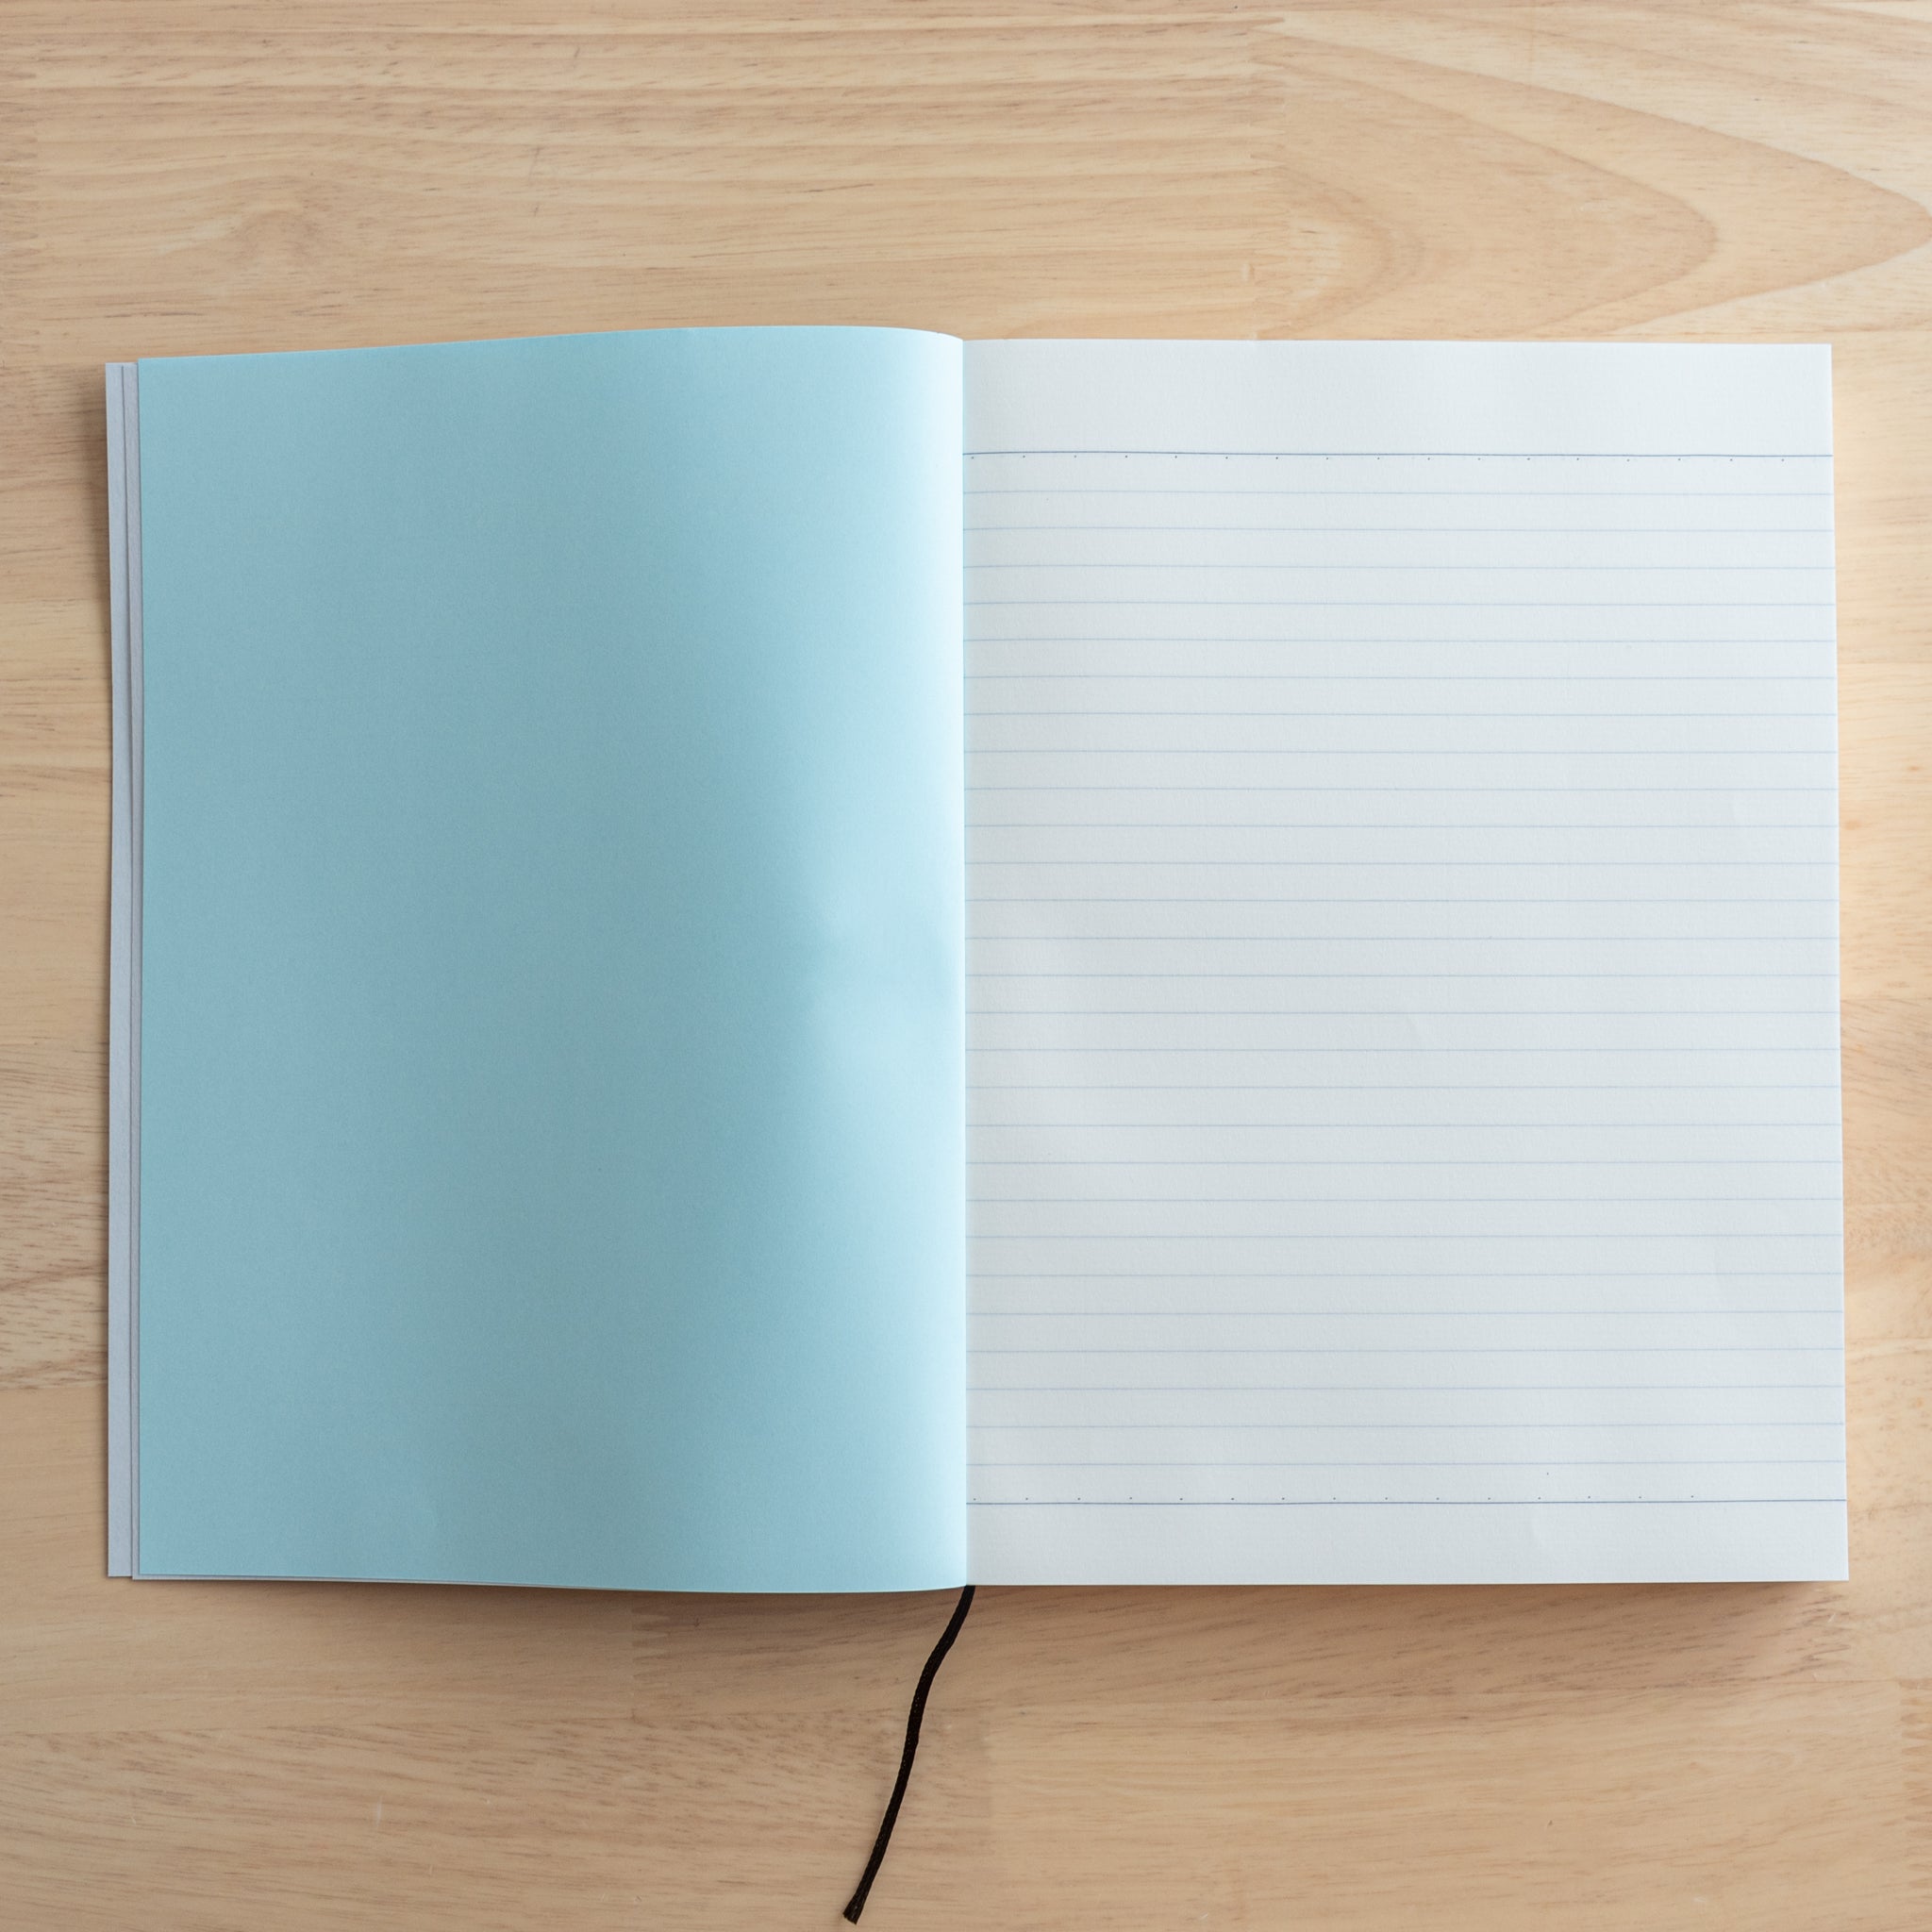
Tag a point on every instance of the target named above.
point(551, 1159)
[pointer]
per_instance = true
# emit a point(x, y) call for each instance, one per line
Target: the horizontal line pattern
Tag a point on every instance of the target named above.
point(1402, 1021)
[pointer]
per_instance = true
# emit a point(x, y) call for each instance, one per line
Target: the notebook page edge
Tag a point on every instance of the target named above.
point(120, 393)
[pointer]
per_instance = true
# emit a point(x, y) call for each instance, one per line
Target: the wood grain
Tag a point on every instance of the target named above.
point(209, 175)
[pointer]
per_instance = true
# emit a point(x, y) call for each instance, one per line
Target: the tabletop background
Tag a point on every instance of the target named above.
point(207, 175)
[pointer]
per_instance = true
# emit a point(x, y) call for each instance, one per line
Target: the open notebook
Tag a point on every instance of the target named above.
point(831, 959)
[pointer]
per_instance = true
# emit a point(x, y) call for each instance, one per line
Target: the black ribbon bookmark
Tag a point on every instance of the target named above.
point(913, 1717)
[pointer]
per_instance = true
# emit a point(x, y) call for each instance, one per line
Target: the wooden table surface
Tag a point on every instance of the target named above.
point(214, 175)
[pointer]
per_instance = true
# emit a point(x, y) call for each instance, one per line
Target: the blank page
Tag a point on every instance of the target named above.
point(545, 793)
point(1403, 1007)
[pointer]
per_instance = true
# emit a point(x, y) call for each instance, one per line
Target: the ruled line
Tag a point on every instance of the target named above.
point(1673, 571)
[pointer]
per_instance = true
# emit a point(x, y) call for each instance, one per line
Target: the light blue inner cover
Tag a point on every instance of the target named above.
point(551, 1001)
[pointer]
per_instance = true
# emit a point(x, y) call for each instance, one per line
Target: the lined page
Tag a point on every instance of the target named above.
point(1403, 1012)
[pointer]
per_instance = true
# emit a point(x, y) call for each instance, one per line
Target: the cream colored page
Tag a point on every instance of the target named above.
point(1403, 1039)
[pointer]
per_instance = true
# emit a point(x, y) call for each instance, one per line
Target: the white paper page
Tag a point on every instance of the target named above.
point(1403, 1039)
